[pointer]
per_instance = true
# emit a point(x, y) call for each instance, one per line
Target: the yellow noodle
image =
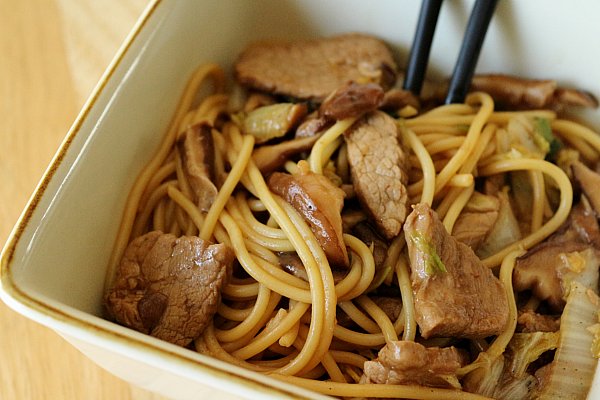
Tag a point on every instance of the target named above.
point(316, 155)
point(569, 129)
point(385, 325)
point(251, 321)
point(359, 317)
point(428, 187)
point(566, 199)
point(269, 313)
point(379, 390)
point(357, 338)
point(456, 208)
point(442, 145)
point(245, 209)
point(230, 183)
point(537, 202)
point(346, 357)
point(408, 307)
point(233, 314)
point(163, 173)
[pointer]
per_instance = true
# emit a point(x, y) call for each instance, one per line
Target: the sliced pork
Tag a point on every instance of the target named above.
point(405, 362)
point(169, 287)
point(379, 169)
point(530, 321)
point(313, 69)
point(454, 293)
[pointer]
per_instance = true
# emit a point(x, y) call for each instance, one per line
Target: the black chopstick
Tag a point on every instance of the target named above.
point(469, 52)
point(419, 52)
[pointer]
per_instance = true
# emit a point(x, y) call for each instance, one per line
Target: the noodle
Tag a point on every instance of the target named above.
point(289, 326)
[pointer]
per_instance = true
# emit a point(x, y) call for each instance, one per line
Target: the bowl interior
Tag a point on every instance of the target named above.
point(60, 250)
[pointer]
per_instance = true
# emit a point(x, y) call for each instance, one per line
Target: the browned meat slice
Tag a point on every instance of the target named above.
point(352, 100)
point(268, 158)
point(513, 92)
point(169, 287)
point(405, 362)
point(455, 294)
point(477, 219)
point(530, 321)
point(589, 181)
point(510, 91)
point(543, 268)
point(313, 69)
point(379, 169)
point(197, 150)
point(291, 263)
point(320, 202)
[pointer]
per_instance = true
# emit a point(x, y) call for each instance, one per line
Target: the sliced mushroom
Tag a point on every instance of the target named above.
point(546, 268)
point(268, 158)
point(320, 203)
point(197, 150)
point(590, 182)
point(313, 125)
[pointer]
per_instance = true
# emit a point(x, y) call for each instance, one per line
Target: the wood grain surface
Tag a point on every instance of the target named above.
point(52, 53)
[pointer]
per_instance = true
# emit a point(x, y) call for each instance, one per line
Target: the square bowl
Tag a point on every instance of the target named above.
point(55, 261)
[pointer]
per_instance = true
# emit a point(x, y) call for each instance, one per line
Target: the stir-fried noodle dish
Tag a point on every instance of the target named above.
point(310, 220)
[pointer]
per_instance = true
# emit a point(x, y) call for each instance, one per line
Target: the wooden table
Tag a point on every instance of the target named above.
point(52, 52)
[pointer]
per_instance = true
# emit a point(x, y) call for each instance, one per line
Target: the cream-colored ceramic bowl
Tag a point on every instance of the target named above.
point(54, 263)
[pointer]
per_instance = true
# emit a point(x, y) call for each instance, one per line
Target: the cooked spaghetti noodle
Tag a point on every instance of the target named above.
point(294, 321)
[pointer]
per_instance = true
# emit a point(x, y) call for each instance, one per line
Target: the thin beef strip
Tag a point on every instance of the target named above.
point(313, 69)
point(169, 287)
point(455, 294)
point(405, 362)
point(379, 169)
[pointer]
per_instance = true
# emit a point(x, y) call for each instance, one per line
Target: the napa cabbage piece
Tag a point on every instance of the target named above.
point(272, 121)
point(507, 376)
point(543, 131)
point(577, 345)
point(572, 371)
point(504, 232)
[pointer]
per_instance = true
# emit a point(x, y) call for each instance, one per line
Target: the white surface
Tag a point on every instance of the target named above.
point(61, 248)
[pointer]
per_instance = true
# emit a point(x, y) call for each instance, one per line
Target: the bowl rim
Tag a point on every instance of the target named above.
point(72, 324)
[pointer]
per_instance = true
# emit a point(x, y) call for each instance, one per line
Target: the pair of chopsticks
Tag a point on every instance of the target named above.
point(464, 68)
